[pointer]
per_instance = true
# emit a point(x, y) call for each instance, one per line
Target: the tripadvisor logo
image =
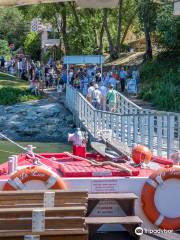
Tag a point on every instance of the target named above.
point(139, 231)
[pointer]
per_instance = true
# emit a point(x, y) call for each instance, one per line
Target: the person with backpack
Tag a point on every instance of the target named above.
point(111, 99)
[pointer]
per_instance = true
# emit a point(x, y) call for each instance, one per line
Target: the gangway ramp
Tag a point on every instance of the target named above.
point(160, 131)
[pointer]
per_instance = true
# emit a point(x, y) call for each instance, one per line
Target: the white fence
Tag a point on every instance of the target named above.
point(125, 106)
point(160, 131)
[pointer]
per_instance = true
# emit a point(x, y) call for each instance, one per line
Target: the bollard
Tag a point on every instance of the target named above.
point(15, 162)
point(10, 165)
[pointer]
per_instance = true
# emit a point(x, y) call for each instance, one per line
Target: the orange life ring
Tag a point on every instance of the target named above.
point(19, 178)
point(147, 198)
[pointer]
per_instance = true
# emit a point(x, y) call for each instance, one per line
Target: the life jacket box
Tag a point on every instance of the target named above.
point(79, 151)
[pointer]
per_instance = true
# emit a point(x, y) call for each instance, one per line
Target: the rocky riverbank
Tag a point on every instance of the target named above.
point(41, 120)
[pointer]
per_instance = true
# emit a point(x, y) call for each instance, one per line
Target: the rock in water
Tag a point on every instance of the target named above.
point(38, 120)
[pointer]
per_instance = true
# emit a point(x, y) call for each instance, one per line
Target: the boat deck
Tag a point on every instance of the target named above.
point(69, 167)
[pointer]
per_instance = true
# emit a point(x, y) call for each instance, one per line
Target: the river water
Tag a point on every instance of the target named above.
point(7, 149)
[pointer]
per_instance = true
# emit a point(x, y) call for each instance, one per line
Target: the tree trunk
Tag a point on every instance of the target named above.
point(147, 32)
point(111, 47)
point(149, 54)
point(64, 29)
point(117, 47)
point(74, 11)
point(127, 28)
point(77, 20)
point(101, 39)
point(96, 40)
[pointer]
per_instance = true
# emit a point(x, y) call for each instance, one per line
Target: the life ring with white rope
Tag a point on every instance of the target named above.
point(147, 198)
point(18, 180)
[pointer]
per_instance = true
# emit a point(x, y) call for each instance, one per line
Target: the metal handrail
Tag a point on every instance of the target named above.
point(160, 131)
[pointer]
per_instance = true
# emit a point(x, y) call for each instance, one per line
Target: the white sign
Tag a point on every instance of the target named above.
point(104, 186)
point(107, 208)
point(177, 8)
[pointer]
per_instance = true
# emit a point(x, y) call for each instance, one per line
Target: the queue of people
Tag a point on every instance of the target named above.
point(100, 89)
point(102, 98)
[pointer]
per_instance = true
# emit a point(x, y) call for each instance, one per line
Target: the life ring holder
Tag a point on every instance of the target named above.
point(18, 179)
point(147, 198)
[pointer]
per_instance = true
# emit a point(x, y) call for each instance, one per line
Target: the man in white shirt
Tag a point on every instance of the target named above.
point(96, 100)
point(90, 92)
point(103, 89)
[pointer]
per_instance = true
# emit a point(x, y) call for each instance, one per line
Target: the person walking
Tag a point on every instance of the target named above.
point(103, 89)
point(111, 99)
point(90, 92)
point(123, 76)
point(96, 97)
point(112, 80)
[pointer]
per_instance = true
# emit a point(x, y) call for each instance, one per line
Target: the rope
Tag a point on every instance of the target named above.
point(101, 164)
point(92, 162)
point(8, 139)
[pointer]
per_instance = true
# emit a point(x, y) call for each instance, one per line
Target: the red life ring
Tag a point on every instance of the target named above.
point(147, 198)
point(24, 175)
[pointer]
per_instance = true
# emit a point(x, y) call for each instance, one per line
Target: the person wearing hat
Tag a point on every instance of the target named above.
point(96, 99)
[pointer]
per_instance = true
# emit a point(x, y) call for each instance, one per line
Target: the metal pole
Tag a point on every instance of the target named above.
point(67, 71)
point(101, 69)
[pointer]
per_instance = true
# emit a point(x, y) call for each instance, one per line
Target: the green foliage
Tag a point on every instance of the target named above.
point(32, 45)
point(168, 28)
point(13, 27)
point(83, 27)
point(12, 95)
point(45, 57)
point(147, 12)
point(161, 81)
point(4, 49)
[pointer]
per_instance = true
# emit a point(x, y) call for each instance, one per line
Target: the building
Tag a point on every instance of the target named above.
point(177, 7)
point(49, 36)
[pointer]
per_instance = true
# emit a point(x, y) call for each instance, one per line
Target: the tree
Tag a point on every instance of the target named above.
point(32, 45)
point(168, 28)
point(4, 48)
point(13, 27)
point(117, 23)
point(147, 11)
point(83, 31)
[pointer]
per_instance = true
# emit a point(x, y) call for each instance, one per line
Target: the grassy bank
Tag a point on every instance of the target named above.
point(7, 149)
point(161, 82)
point(13, 90)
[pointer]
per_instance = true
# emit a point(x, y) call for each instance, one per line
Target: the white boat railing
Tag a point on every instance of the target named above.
point(160, 131)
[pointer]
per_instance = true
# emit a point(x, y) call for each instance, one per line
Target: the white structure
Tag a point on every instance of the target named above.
point(84, 59)
point(177, 8)
point(48, 42)
point(36, 25)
